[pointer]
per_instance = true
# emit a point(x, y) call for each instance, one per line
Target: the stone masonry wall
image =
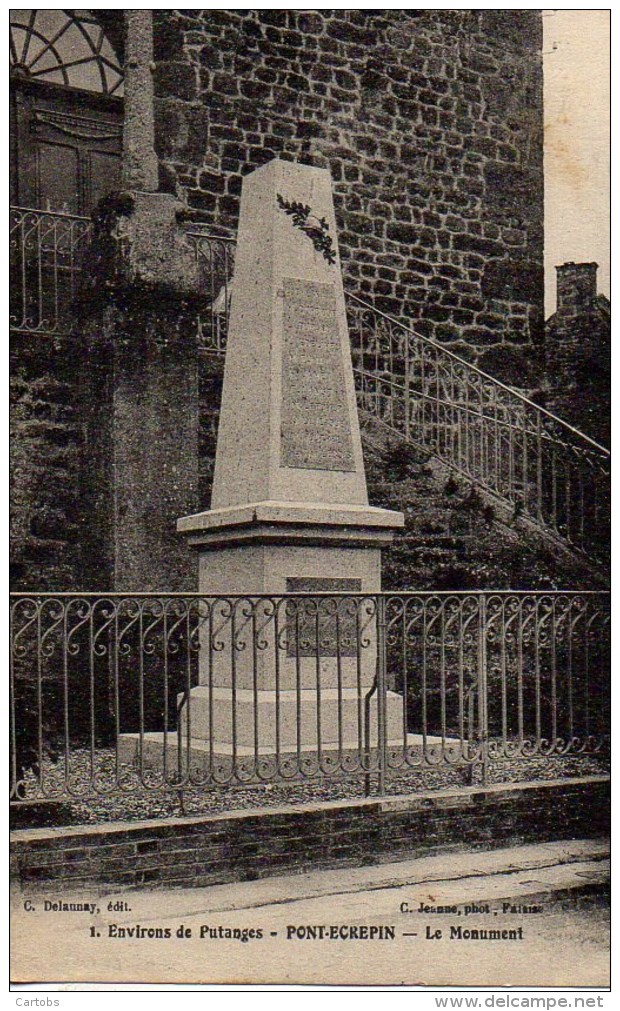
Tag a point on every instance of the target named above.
point(431, 125)
point(45, 449)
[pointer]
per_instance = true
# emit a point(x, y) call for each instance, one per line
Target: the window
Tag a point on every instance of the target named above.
point(64, 47)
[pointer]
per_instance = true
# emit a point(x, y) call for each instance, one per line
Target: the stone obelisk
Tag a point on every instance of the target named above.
point(289, 510)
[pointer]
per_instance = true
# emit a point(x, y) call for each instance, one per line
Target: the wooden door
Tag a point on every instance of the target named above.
point(67, 148)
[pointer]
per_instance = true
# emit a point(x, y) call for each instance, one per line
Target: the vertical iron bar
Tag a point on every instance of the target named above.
point(165, 686)
point(39, 697)
point(141, 693)
point(22, 249)
point(211, 606)
point(296, 602)
point(567, 494)
point(358, 681)
point(65, 692)
point(39, 261)
point(116, 698)
point(405, 674)
point(461, 680)
point(569, 665)
point(525, 468)
point(537, 644)
point(276, 647)
point(520, 718)
point(13, 703)
point(56, 270)
point(256, 730)
point(539, 470)
point(339, 681)
point(553, 661)
point(482, 687)
point(442, 681)
point(586, 677)
point(504, 688)
point(319, 742)
point(554, 487)
point(381, 695)
point(233, 663)
point(424, 705)
point(407, 391)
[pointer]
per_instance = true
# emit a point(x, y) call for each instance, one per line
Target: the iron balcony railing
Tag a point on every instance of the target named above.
point(216, 258)
point(535, 464)
point(115, 695)
point(47, 250)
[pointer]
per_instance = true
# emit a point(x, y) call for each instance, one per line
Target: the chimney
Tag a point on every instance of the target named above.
point(576, 285)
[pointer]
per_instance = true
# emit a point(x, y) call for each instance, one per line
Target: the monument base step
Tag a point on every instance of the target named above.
point(200, 751)
point(301, 718)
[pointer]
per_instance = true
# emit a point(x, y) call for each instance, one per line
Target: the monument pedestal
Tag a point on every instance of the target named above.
point(303, 666)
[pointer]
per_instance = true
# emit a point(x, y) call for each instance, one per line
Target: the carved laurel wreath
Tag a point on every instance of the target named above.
point(318, 233)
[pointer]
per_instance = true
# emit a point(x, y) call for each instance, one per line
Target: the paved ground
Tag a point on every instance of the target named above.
point(543, 907)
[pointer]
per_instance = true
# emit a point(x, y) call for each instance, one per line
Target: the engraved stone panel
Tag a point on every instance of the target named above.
point(316, 432)
point(331, 622)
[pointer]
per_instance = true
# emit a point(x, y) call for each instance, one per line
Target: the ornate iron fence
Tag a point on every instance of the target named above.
point(47, 251)
point(117, 695)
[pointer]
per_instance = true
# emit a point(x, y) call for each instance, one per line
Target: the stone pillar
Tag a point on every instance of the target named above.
point(289, 507)
point(141, 422)
point(141, 301)
point(140, 165)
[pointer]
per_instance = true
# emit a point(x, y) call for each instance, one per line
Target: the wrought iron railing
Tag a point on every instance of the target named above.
point(118, 695)
point(216, 257)
point(538, 466)
point(541, 467)
point(47, 252)
point(47, 249)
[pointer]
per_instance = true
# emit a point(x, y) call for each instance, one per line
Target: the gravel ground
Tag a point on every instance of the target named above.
point(219, 799)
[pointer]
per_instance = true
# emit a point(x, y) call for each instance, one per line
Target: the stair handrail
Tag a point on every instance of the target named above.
point(485, 375)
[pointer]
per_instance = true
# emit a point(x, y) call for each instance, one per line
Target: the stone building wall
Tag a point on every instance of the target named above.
point(431, 125)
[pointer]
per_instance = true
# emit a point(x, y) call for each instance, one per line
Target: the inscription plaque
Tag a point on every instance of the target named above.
point(316, 432)
point(332, 623)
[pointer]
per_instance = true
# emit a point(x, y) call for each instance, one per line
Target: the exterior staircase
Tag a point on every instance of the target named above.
point(456, 537)
point(525, 462)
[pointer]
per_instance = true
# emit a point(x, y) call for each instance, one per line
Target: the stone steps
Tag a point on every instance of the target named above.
point(455, 537)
